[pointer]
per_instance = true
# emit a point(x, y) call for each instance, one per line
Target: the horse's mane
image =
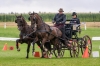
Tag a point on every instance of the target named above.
point(39, 17)
point(24, 19)
point(42, 19)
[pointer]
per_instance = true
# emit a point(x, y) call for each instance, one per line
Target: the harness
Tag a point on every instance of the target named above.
point(43, 25)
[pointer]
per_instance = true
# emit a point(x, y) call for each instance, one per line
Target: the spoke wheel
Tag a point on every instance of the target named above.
point(49, 54)
point(74, 51)
point(62, 51)
point(86, 42)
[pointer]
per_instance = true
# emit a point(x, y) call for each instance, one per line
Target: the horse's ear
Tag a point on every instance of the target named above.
point(21, 15)
point(33, 12)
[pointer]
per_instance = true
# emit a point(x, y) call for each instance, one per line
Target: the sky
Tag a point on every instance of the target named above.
point(25, 6)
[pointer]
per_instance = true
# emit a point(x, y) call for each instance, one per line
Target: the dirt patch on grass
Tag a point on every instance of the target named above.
point(88, 24)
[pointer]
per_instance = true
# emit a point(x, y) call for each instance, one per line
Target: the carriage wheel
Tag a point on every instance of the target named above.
point(86, 41)
point(61, 52)
point(74, 51)
point(49, 54)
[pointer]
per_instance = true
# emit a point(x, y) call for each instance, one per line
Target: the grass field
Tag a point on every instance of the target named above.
point(14, 58)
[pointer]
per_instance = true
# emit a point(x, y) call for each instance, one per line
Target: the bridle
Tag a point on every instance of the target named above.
point(21, 23)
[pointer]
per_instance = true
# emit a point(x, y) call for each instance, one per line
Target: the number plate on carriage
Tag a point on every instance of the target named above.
point(74, 27)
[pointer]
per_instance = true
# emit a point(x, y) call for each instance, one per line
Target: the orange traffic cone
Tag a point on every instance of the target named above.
point(88, 41)
point(85, 54)
point(37, 54)
point(5, 47)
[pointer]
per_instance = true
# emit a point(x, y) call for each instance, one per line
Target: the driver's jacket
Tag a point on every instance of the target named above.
point(75, 21)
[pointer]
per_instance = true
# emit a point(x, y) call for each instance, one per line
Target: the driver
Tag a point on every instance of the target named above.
point(59, 20)
point(74, 19)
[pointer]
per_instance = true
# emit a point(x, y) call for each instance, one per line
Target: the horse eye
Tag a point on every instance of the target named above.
point(20, 21)
point(15, 21)
point(29, 18)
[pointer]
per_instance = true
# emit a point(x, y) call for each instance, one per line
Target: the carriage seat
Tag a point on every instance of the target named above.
point(71, 29)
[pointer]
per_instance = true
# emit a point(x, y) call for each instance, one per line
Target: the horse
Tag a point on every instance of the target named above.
point(45, 32)
point(25, 29)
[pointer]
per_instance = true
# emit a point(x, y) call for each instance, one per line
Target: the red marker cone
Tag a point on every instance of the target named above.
point(85, 54)
point(37, 54)
point(5, 47)
point(11, 48)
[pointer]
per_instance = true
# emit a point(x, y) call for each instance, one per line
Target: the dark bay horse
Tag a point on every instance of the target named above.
point(44, 32)
point(25, 29)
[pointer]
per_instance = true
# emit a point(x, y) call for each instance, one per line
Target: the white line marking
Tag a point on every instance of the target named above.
point(8, 39)
point(95, 38)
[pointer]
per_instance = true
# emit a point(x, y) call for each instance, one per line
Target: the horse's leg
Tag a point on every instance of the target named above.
point(17, 46)
point(42, 50)
point(48, 46)
point(33, 44)
point(50, 51)
point(57, 45)
point(33, 49)
point(28, 49)
point(59, 48)
point(42, 45)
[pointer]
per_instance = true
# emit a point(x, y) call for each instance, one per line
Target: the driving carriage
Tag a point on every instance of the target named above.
point(44, 33)
point(77, 43)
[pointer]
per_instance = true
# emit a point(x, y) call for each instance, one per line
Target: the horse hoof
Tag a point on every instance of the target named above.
point(50, 56)
point(46, 49)
point(33, 53)
point(42, 57)
point(45, 56)
point(18, 49)
point(58, 57)
point(44, 53)
point(26, 57)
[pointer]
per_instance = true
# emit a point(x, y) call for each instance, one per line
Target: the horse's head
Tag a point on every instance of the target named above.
point(20, 22)
point(35, 19)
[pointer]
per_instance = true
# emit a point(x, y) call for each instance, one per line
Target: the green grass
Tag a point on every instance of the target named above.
point(9, 32)
point(14, 58)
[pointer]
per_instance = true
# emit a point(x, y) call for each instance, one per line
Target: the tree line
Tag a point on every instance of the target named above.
point(47, 17)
